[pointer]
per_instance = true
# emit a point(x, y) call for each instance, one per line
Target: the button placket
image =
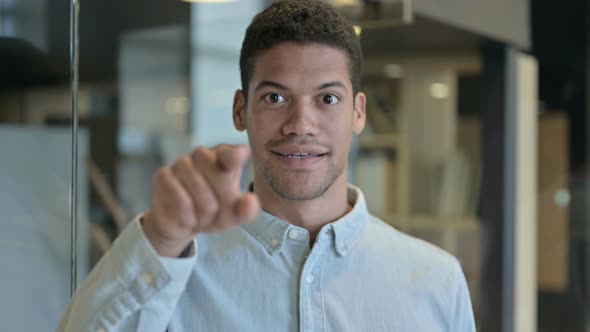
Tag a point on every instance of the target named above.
point(311, 313)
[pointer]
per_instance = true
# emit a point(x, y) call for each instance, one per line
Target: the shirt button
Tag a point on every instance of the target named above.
point(148, 278)
point(274, 242)
point(309, 278)
point(294, 234)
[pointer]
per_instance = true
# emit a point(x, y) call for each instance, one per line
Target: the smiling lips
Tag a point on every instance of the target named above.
point(299, 156)
point(299, 151)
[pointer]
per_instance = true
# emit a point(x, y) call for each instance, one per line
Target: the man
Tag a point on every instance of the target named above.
point(313, 258)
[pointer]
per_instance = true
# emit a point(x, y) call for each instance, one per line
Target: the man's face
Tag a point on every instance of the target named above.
point(300, 115)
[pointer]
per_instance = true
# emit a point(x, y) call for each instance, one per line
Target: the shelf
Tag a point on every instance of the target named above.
point(378, 141)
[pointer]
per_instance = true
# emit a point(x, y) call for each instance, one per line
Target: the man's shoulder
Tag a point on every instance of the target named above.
point(421, 273)
point(409, 251)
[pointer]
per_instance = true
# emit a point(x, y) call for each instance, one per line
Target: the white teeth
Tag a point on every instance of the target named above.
point(299, 155)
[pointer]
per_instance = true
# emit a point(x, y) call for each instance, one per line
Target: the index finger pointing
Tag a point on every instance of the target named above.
point(232, 157)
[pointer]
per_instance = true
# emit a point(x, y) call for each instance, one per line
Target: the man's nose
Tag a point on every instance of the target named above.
point(301, 121)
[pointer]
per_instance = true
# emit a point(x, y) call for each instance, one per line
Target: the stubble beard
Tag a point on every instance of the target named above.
point(285, 188)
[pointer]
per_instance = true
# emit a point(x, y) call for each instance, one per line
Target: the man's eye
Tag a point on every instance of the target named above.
point(330, 99)
point(274, 98)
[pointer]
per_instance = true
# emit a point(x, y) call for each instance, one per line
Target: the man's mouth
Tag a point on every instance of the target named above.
point(300, 155)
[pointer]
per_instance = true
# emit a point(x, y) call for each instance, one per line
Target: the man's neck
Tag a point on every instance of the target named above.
point(310, 214)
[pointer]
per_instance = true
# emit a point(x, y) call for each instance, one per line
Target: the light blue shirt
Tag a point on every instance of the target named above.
point(360, 275)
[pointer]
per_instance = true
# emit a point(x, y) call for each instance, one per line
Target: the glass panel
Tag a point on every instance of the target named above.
point(156, 82)
point(158, 77)
point(35, 165)
point(134, 104)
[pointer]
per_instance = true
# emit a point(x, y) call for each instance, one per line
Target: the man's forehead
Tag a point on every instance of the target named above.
point(314, 63)
point(311, 53)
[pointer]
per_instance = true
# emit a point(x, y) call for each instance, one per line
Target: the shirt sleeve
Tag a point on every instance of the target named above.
point(463, 320)
point(131, 288)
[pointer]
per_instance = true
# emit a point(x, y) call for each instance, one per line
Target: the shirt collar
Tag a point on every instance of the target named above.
point(271, 231)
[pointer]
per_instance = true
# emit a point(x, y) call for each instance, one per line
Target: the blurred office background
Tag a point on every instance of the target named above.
point(478, 137)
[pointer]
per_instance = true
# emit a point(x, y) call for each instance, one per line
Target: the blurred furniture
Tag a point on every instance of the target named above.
point(553, 202)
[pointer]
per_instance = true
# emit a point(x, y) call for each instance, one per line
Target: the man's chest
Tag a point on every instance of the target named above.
point(321, 294)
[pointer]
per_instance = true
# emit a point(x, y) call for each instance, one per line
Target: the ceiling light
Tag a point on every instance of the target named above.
point(345, 3)
point(358, 29)
point(439, 91)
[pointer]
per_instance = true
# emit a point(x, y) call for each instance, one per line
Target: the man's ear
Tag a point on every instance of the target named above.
point(239, 110)
point(360, 114)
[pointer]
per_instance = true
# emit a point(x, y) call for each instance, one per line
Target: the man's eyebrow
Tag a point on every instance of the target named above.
point(332, 84)
point(270, 84)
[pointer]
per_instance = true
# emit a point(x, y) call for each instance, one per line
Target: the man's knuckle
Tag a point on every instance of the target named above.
point(199, 153)
point(161, 175)
point(212, 208)
point(222, 147)
point(183, 162)
point(184, 203)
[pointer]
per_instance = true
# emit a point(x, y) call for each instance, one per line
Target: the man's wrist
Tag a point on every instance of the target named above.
point(170, 249)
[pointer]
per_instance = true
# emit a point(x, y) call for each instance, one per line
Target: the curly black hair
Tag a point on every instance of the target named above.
point(302, 22)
